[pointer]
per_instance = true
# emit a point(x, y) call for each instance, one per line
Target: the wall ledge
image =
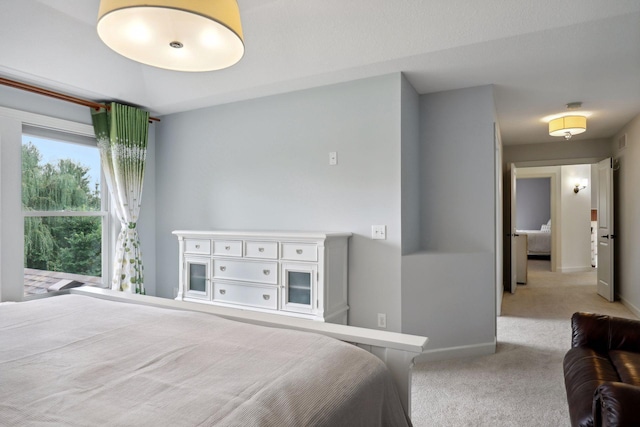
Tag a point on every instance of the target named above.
point(472, 350)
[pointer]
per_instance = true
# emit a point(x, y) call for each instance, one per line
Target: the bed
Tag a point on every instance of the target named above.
point(538, 241)
point(91, 357)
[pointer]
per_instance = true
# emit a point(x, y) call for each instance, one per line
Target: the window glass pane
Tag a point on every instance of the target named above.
point(63, 243)
point(198, 277)
point(59, 175)
point(299, 284)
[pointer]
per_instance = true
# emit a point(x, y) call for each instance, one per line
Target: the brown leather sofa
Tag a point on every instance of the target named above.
point(602, 371)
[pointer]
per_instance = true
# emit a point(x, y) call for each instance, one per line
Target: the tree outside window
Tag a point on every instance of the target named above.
point(62, 207)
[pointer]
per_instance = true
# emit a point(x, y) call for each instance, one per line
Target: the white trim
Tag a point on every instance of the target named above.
point(374, 337)
point(555, 207)
point(65, 213)
point(207, 234)
point(558, 162)
point(42, 121)
point(85, 130)
point(472, 350)
point(575, 269)
point(499, 219)
point(632, 308)
point(1, 215)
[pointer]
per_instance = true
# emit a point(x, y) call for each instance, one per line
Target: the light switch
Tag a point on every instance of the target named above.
point(379, 232)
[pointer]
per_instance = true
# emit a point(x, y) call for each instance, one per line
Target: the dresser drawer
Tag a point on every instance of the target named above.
point(266, 250)
point(300, 251)
point(256, 296)
point(227, 247)
point(248, 271)
point(197, 246)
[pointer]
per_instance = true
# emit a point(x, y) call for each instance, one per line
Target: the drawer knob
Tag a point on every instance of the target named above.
point(197, 246)
point(299, 251)
point(266, 297)
point(227, 248)
point(266, 272)
point(260, 249)
point(223, 268)
point(222, 291)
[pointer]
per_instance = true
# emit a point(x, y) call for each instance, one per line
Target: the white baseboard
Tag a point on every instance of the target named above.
point(472, 350)
point(635, 310)
point(575, 269)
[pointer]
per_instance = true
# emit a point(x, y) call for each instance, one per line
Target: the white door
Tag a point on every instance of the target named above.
point(605, 230)
point(514, 264)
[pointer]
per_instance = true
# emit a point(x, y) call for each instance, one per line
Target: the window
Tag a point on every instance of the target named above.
point(65, 213)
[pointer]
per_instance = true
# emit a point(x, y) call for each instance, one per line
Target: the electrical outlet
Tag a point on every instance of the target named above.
point(379, 232)
point(382, 320)
point(333, 158)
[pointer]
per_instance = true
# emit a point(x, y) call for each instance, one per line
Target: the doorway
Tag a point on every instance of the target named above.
point(533, 225)
point(554, 209)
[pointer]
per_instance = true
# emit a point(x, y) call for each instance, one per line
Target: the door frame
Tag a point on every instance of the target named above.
point(555, 205)
point(556, 246)
point(513, 178)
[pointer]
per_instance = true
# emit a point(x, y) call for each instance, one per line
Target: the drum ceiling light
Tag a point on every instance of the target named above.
point(568, 124)
point(181, 35)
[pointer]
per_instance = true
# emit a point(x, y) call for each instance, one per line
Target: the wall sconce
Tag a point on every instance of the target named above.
point(581, 185)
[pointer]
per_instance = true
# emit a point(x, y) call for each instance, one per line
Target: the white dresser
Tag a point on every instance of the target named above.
point(300, 274)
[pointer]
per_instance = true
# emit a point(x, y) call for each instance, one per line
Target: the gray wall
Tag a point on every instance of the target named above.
point(626, 208)
point(411, 167)
point(33, 103)
point(533, 203)
point(448, 289)
point(556, 153)
point(263, 164)
point(457, 170)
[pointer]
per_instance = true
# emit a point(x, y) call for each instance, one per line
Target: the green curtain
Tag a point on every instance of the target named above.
point(122, 133)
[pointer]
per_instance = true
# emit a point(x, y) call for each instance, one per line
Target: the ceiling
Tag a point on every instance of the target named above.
point(540, 55)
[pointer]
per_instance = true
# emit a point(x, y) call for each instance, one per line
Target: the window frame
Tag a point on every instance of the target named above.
point(58, 136)
point(12, 122)
point(102, 213)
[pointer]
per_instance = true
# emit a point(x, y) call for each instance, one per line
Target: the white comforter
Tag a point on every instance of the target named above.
point(79, 361)
point(538, 242)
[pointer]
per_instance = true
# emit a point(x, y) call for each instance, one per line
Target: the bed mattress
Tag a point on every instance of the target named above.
point(80, 361)
point(538, 242)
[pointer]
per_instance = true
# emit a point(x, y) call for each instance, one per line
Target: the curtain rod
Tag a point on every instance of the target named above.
point(57, 95)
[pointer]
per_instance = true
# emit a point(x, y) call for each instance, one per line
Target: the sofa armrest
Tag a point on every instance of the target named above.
point(615, 404)
point(603, 333)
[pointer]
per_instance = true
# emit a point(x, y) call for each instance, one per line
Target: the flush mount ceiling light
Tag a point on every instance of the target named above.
point(181, 35)
point(569, 124)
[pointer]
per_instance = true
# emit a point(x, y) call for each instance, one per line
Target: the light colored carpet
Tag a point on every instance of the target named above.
point(522, 384)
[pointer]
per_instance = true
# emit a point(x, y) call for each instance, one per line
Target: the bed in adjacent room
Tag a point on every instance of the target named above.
point(79, 360)
point(539, 241)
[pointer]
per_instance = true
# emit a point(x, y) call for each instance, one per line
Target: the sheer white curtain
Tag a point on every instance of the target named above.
point(122, 134)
